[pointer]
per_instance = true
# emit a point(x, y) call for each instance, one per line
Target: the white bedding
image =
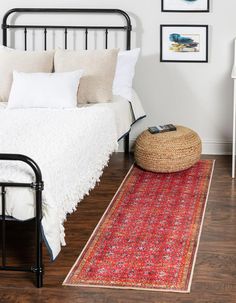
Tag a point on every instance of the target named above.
point(71, 152)
point(126, 112)
point(122, 112)
point(70, 146)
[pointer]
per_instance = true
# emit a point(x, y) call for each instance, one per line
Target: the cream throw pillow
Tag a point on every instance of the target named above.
point(23, 61)
point(99, 70)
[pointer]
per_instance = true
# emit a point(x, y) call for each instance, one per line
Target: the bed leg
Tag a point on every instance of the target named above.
point(126, 144)
point(3, 194)
point(39, 279)
point(39, 255)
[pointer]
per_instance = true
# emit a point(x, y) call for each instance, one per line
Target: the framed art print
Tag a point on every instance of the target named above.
point(193, 6)
point(184, 43)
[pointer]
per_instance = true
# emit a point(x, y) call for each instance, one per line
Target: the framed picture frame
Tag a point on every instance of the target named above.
point(184, 43)
point(185, 6)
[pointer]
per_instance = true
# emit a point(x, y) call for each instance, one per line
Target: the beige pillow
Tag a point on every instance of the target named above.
point(21, 61)
point(99, 70)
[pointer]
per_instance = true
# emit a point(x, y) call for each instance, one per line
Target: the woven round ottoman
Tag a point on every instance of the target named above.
point(168, 152)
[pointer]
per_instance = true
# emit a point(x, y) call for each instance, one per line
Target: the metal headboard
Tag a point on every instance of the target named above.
point(127, 27)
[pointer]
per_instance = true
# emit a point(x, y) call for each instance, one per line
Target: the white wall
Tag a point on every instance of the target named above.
point(196, 95)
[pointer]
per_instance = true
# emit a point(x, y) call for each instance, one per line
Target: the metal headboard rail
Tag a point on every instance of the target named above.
point(25, 27)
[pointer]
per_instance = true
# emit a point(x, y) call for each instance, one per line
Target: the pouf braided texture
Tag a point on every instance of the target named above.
point(168, 152)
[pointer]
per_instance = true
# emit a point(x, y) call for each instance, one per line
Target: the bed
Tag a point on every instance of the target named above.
point(76, 142)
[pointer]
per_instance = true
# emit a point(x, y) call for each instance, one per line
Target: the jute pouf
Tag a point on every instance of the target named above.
point(168, 152)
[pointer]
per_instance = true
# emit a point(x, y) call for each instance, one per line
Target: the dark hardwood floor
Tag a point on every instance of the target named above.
point(214, 277)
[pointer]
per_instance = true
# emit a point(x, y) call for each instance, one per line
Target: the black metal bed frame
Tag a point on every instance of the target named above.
point(37, 185)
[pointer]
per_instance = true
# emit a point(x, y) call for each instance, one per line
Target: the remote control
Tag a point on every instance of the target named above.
point(162, 128)
point(153, 130)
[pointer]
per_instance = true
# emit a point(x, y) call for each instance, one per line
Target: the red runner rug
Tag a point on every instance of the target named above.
point(149, 235)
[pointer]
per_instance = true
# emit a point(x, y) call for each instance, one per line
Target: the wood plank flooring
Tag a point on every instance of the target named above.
point(214, 277)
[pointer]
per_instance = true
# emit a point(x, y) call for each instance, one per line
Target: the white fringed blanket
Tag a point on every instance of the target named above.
point(71, 147)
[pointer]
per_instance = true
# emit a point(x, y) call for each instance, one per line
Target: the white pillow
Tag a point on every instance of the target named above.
point(44, 90)
point(125, 71)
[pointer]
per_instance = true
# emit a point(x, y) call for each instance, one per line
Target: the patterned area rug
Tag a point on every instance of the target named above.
point(149, 235)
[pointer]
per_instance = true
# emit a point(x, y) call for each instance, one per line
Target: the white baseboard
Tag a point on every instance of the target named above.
point(208, 147)
point(216, 148)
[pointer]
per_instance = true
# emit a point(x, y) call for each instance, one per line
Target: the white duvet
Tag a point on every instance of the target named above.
point(70, 146)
